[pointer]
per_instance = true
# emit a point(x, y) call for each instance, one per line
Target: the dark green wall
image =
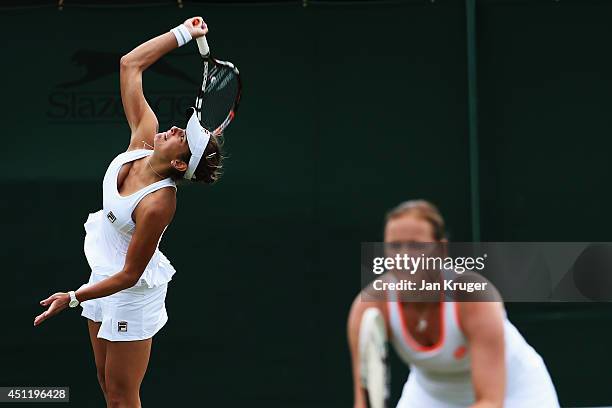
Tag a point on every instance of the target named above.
point(347, 110)
point(545, 86)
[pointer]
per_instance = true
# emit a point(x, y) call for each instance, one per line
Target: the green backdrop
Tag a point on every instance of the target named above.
point(348, 109)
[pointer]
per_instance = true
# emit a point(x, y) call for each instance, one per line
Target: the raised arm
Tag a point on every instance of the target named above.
point(152, 215)
point(141, 118)
point(482, 323)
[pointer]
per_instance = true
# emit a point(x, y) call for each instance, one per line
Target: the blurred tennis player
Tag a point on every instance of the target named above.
point(124, 300)
point(461, 354)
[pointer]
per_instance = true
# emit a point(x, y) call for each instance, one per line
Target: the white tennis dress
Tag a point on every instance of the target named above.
point(138, 312)
point(440, 375)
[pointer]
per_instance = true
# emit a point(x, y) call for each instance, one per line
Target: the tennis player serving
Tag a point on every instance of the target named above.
point(461, 354)
point(124, 300)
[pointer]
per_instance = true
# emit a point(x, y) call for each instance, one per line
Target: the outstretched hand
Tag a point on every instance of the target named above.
point(56, 302)
point(196, 26)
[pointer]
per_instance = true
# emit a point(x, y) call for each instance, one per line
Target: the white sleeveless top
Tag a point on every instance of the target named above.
point(442, 367)
point(110, 230)
point(443, 370)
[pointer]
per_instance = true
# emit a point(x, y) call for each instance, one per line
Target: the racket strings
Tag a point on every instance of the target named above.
point(374, 368)
point(219, 97)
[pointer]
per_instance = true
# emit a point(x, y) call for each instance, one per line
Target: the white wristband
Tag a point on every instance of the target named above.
point(182, 34)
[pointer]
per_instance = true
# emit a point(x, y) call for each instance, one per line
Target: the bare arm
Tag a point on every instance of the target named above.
point(152, 216)
point(141, 118)
point(482, 323)
point(151, 220)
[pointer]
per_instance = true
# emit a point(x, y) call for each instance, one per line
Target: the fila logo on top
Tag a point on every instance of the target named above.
point(111, 217)
point(122, 326)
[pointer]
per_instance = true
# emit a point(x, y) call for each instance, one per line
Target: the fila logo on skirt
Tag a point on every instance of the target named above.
point(122, 326)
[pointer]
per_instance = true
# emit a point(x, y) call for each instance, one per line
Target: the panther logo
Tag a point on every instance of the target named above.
point(99, 64)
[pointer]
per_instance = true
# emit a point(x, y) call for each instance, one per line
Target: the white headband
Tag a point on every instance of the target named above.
point(197, 138)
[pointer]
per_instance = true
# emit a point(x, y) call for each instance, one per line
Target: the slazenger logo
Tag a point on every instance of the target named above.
point(69, 103)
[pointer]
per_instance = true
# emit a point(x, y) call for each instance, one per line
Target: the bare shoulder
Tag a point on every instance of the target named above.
point(159, 205)
point(478, 302)
point(483, 319)
point(475, 309)
point(475, 288)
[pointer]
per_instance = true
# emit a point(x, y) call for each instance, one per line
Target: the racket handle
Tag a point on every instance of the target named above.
point(203, 46)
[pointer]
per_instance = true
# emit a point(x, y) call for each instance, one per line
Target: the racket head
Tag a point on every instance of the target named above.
point(218, 99)
point(373, 367)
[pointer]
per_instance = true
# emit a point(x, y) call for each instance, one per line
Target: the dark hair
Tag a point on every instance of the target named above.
point(424, 210)
point(209, 169)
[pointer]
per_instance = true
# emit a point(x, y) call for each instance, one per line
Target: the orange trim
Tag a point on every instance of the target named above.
point(460, 352)
point(411, 341)
point(457, 319)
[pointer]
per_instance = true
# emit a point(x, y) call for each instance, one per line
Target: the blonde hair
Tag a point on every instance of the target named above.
point(424, 210)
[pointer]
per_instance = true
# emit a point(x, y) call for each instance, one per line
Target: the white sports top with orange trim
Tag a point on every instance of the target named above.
point(109, 231)
point(440, 375)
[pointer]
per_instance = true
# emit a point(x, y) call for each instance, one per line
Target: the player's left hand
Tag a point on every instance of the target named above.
point(56, 302)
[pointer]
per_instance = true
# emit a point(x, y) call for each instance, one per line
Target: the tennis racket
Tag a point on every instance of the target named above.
point(218, 98)
point(373, 359)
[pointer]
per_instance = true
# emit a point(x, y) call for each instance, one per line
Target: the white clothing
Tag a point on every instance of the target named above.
point(135, 313)
point(110, 230)
point(440, 375)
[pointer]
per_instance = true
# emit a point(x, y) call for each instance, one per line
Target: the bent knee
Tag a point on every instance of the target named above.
point(119, 397)
point(116, 399)
point(121, 401)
